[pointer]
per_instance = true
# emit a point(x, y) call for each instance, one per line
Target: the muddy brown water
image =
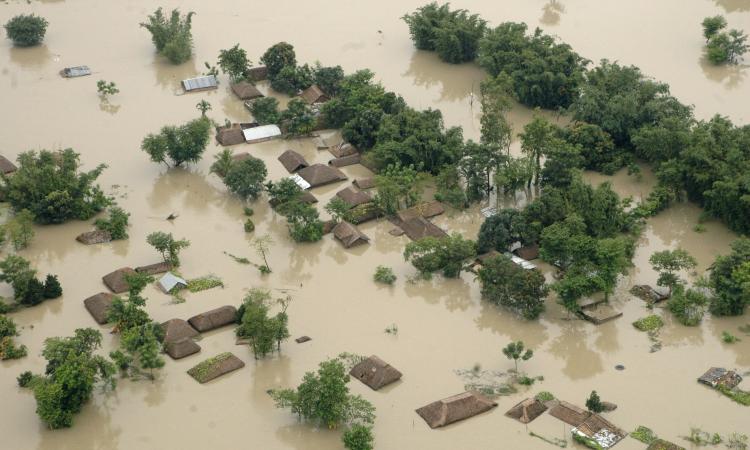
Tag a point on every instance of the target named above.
point(443, 325)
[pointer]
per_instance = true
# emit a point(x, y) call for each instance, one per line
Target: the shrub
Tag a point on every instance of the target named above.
point(593, 403)
point(9, 350)
point(171, 37)
point(544, 396)
point(105, 88)
point(52, 288)
point(649, 323)
point(248, 211)
point(728, 337)
point(26, 30)
point(116, 225)
point(249, 226)
point(688, 305)
point(384, 275)
point(358, 437)
point(24, 379)
point(644, 434)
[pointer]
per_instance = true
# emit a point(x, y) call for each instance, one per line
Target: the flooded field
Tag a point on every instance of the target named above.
point(443, 324)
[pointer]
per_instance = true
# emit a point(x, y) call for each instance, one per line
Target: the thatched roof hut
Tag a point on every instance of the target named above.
point(313, 95)
point(181, 348)
point(115, 281)
point(94, 237)
point(343, 149)
point(716, 376)
point(526, 410)
point(246, 90)
point(600, 430)
point(426, 210)
point(177, 329)
point(154, 269)
point(363, 213)
point(215, 318)
point(419, 228)
point(259, 73)
point(320, 174)
point(569, 413)
point(353, 197)
point(529, 252)
point(364, 183)
point(6, 166)
point(452, 409)
point(98, 305)
point(345, 160)
point(293, 161)
point(349, 235)
point(661, 444)
point(215, 367)
point(230, 135)
point(375, 373)
point(328, 226)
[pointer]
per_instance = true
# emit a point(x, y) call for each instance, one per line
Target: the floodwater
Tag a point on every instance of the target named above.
point(443, 325)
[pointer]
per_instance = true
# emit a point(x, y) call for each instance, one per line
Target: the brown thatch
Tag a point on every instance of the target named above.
point(527, 410)
point(98, 306)
point(303, 339)
point(239, 157)
point(115, 281)
point(177, 329)
point(328, 226)
point(569, 413)
point(452, 409)
point(426, 210)
point(246, 90)
point(529, 252)
point(215, 367)
point(320, 174)
point(181, 348)
point(419, 228)
point(230, 135)
point(364, 183)
point(343, 149)
point(6, 166)
point(94, 237)
point(353, 197)
point(600, 314)
point(313, 95)
point(349, 235)
point(375, 373)
point(649, 294)
point(661, 444)
point(293, 161)
point(308, 198)
point(154, 269)
point(259, 73)
point(346, 160)
point(215, 318)
point(363, 213)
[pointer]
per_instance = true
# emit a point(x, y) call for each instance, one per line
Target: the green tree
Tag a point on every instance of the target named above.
point(139, 352)
point(499, 231)
point(430, 254)
point(8, 348)
point(597, 148)
point(203, 106)
point(329, 78)
point(167, 246)
point(262, 247)
point(52, 287)
point(245, 178)
point(171, 36)
point(223, 161)
point(536, 136)
point(727, 280)
point(183, 144)
point(593, 403)
point(128, 313)
point(283, 192)
point(424, 23)
point(265, 110)
point(727, 47)
point(277, 57)
point(49, 185)
point(256, 325)
point(116, 224)
point(26, 30)
point(507, 284)
point(515, 351)
point(298, 118)
point(234, 62)
point(358, 437)
point(20, 230)
point(449, 188)
point(303, 221)
point(477, 164)
point(106, 88)
point(562, 164)
point(611, 259)
point(668, 262)
point(688, 305)
point(712, 25)
point(397, 187)
point(338, 209)
point(292, 79)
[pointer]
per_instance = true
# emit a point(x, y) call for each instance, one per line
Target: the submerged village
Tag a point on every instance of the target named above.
point(365, 225)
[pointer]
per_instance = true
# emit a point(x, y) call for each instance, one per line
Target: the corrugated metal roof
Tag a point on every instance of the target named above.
point(77, 71)
point(206, 82)
point(261, 133)
point(301, 182)
point(169, 281)
point(521, 262)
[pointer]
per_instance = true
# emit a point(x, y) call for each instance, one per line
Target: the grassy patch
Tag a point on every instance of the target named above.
point(644, 434)
point(649, 323)
point(202, 371)
point(562, 443)
point(738, 395)
point(728, 337)
point(238, 259)
point(203, 283)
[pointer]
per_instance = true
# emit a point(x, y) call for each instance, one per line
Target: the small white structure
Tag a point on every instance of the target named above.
point(200, 83)
point(488, 211)
point(77, 71)
point(301, 182)
point(171, 281)
point(261, 133)
point(521, 262)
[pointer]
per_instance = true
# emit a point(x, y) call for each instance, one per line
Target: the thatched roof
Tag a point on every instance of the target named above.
point(94, 237)
point(661, 444)
point(526, 410)
point(320, 174)
point(649, 294)
point(246, 90)
point(426, 210)
point(154, 269)
point(349, 235)
point(215, 367)
point(716, 376)
point(231, 135)
point(293, 161)
point(257, 73)
point(115, 281)
point(353, 197)
point(303, 339)
point(452, 409)
point(98, 305)
point(346, 160)
point(569, 413)
point(177, 329)
point(375, 373)
point(529, 252)
point(419, 228)
point(601, 430)
point(313, 95)
point(181, 348)
point(364, 183)
point(6, 166)
point(363, 213)
point(328, 226)
point(215, 318)
point(343, 149)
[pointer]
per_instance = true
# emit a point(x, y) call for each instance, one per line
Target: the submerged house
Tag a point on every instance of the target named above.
point(76, 71)
point(261, 133)
point(177, 329)
point(246, 91)
point(6, 166)
point(293, 161)
point(425, 210)
point(718, 376)
point(115, 281)
point(344, 161)
point(343, 149)
point(322, 143)
point(419, 228)
point(349, 235)
point(170, 282)
point(197, 84)
point(453, 409)
point(94, 237)
point(233, 134)
point(321, 174)
point(353, 197)
point(313, 95)
point(600, 430)
point(215, 318)
point(98, 306)
point(375, 373)
point(155, 269)
point(364, 183)
point(259, 73)
point(526, 410)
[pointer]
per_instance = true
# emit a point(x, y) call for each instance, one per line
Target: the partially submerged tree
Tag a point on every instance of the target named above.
point(727, 47)
point(223, 161)
point(203, 106)
point(594, 403)
point(397, 187)
point(116, 224)
point(127, 313)
point(140, 351)
point(167, 246)
point(507, 284)
point(668, 262)
point(329, 78)
point(358, 437)
point(728, 280)
point(712, 26)
point(106, 88)
point(8, 348)
point(171, 36)
point(265, 110)
point(448, 254)
point(303, 221)
point(180, 144)
point(262, 246)
point(298, 118)
point(338, 209)
point(26, 30)
point(454, 35)
point(277, 57)
point(234, 62)
point(245, 178)
point(260, 329)
point(515, 351)
point(19, 229)
point(688, 305)
point(27, 289)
